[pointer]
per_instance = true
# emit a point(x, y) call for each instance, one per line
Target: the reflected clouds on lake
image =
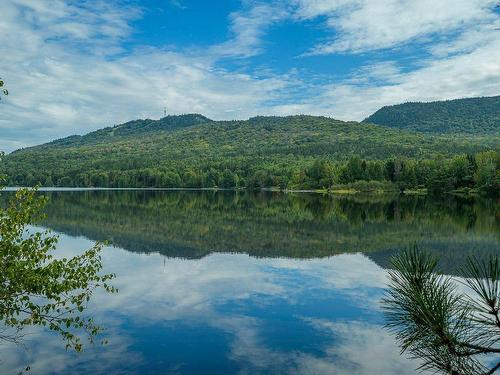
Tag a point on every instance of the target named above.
point(263, 315)
point(246, 283)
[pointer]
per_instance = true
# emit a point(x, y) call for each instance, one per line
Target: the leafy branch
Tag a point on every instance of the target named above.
point(36, 289)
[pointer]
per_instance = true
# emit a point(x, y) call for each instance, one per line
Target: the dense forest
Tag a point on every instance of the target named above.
point(469, 116)
point(295, 152)
point(193, 224)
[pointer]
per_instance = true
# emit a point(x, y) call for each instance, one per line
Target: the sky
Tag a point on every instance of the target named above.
point(72, 67)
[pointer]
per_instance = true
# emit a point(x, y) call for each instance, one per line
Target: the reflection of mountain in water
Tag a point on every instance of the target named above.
point(193, 224)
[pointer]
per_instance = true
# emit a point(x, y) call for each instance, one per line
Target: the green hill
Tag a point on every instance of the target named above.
point(132, 128)
point(289, 152)
point(469, 116)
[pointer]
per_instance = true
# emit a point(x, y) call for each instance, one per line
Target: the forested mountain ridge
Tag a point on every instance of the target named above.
point(130, 128)
point(287, 152)
point(469, 116)
point(302, 134)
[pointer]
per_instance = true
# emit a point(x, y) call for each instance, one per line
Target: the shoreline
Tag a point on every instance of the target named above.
point(337, 191)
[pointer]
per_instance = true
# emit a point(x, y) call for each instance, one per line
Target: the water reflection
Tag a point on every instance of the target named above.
point(281, 302)
point(194, 224)
point(229, 313)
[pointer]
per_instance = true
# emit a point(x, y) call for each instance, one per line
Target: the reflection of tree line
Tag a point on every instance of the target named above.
point(193, 224)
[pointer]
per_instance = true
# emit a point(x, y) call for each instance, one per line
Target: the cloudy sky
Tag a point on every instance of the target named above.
point(76, 66)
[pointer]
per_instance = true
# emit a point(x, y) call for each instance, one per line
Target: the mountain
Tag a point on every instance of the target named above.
point(134, 128)
point(194, 151)
point(469, 116)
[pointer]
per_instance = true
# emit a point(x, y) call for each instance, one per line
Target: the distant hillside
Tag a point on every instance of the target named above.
point(469, 116)
point(289, 152)
point(133, 128)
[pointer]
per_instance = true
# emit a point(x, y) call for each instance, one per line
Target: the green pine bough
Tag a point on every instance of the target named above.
point(447, 330)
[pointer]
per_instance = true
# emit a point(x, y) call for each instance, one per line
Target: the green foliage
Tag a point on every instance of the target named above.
point(444, 328)
point(469, 116)
point(38, 289)
point(296, 152)
point(486, 171)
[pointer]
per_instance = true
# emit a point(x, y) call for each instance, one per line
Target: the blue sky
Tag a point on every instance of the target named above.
point(75, 66)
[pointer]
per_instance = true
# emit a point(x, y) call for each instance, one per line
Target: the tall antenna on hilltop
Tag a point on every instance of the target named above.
point(164, 111)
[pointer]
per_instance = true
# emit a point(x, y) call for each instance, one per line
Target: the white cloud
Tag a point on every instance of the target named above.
point(364, 25)
point(177, 4)
point(466, 67)
point(247, 28)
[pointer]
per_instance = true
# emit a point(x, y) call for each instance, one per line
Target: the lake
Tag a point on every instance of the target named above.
point(238, 282)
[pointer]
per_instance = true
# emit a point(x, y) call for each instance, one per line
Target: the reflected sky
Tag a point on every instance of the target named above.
point(294, 296)
point(227, 313)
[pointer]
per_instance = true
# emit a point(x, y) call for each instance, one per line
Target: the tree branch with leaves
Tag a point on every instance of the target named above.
point(38, 289)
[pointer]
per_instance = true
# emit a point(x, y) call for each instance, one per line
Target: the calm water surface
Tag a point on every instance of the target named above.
point(225, 282)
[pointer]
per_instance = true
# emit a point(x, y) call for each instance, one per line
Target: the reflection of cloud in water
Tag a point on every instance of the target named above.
point(356, 348)
point(162, 293)
point(46, 355)
point(360, 348)
point(353, 275)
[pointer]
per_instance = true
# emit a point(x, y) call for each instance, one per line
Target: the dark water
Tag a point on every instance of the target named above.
point(225, 282)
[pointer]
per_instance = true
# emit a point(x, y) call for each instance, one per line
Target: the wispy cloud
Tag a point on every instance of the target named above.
point(365, 25)
point(248, 28)
point(177, 4)
point(458, 70)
